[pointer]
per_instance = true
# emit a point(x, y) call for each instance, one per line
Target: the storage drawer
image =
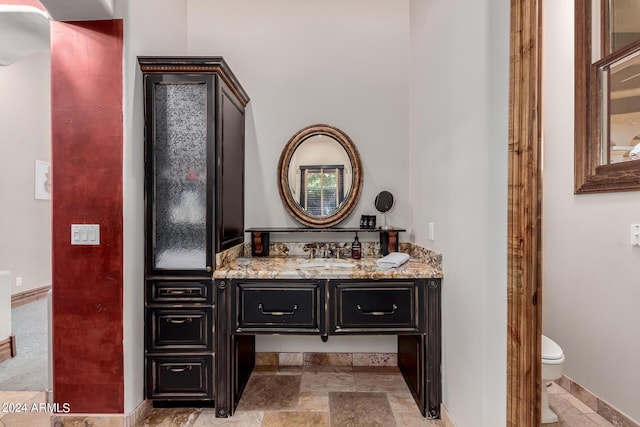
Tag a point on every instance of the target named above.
point(180, 377)
point(375, 306)
point(180, 292)
point(171, 329)
point(278, 306)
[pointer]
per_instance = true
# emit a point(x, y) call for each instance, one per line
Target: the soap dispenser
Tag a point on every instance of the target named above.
point(356, 248)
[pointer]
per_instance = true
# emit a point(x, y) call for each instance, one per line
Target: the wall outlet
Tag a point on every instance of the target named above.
point(431, 232)
point(18, 281)
point(635, 235)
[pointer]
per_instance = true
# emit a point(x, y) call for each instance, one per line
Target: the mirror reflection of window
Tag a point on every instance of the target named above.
point(621, 84)
point(312, 168)
point(619, 75)
point(624, 25)
point(323, 188)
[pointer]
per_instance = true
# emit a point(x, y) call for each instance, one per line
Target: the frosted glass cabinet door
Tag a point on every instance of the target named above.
point(181, 176)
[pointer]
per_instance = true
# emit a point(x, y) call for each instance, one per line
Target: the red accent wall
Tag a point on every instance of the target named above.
point(86, 157)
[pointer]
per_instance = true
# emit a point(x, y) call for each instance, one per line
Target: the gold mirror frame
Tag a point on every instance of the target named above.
point(284, 186)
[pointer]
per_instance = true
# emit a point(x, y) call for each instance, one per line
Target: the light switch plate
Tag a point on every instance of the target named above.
point(635, 235)
point(85, 234)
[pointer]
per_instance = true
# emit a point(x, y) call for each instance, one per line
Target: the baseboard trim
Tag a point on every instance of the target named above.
point(22, 298)
point(445, 417)
point(8, 348)
point(599, 406)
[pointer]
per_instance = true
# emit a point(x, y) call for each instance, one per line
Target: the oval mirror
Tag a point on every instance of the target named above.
point(320, 176)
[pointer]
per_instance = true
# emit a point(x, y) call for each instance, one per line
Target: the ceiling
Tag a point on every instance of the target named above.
point(24, 30)
point(79, 10)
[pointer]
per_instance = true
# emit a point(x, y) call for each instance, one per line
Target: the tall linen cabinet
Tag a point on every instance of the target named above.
point(194, 208)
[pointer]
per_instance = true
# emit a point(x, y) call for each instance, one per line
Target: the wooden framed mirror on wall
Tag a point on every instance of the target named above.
point(320, 176)
point(607, 97)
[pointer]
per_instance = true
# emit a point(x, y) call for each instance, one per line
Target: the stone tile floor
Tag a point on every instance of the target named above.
point(310, 396)
point(571, 411)
point(22, 409)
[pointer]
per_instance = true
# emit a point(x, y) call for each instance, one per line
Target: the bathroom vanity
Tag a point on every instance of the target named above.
point(208, 294)
point(327, 297)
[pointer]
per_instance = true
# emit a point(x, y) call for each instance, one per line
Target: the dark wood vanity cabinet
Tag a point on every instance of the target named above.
point(408, 308)
point(194, 207)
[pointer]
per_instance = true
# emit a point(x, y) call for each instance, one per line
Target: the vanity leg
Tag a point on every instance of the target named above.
point(412, 367)
point(223, 371)
point(433, 348)
point(235, 355)
point(420, 356)
point(245, 360)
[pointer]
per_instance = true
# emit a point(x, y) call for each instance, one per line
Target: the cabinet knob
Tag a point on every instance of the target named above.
point(209, 269)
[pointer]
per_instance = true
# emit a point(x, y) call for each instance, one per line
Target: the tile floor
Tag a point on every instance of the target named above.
point(571, 411)
point(314, 396)
point(341, 396)
point(22, 409)
point(309, 396)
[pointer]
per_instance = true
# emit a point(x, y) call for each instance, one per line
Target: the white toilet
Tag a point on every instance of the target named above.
point(552, 369)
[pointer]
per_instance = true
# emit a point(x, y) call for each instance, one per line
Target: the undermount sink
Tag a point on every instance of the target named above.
point(327, 263)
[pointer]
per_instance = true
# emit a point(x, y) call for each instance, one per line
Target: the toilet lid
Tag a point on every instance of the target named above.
point(551, 350)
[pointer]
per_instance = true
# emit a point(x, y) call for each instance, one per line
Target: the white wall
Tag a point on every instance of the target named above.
point(590, 271)
point(318, 61)
point(152, 27)
point(5, 304)
point(459, 141)
point(25, 121)
point(358, 65)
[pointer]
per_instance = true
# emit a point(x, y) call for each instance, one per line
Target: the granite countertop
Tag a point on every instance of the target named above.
point(297, 267)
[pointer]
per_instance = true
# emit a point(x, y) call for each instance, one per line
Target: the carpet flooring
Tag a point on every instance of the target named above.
point(29, 369)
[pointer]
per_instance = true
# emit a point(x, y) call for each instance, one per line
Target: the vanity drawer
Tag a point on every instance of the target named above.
point(278, 306)
point(390, 306)
point(180, 292)
point(170, 329)
point(180, 377)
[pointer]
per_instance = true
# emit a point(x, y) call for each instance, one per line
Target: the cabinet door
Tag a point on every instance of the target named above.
point(180, 178)
point(179, 329)
point(278, 306)
point(180, 377)
point(375, 306)
point(180, 292)
point(230, 175)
